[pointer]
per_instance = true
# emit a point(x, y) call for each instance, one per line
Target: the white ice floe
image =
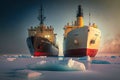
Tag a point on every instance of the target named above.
point(28, 74)
point(62, 65)
point(60, 58)
point(11, 59)
point(47, 66)
point(88, 58)
point(42, 62)
point(76, 65)
point(42, 57)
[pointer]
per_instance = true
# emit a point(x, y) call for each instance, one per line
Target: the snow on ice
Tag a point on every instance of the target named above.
point(76, 65)
point(11, 59)
point(28, 74)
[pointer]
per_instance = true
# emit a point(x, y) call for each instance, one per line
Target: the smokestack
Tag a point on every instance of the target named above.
point(80, 22)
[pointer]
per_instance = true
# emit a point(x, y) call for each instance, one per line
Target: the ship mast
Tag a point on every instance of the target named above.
point(41, 17)
point(89, 19)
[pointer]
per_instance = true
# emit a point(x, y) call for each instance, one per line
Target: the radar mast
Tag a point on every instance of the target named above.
point(41, 16)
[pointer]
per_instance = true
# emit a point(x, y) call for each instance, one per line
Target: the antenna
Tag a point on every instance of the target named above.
point(41, 17)
point(89, 19)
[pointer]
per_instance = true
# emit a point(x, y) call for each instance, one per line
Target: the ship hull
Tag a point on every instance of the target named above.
point(81, 52)
point(82, 42)
point(41, 47)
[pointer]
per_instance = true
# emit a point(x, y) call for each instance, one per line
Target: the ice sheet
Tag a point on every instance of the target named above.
point(58, 70)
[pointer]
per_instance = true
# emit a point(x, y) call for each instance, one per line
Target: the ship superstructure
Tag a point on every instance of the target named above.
point(41, 39)
point(81, 40)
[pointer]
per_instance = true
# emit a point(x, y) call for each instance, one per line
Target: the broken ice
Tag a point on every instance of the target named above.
point(76, 65)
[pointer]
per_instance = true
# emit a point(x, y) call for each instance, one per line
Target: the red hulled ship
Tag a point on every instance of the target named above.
point(79, 39)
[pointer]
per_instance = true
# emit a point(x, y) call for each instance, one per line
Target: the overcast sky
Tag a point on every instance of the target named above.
point(16, 16)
